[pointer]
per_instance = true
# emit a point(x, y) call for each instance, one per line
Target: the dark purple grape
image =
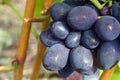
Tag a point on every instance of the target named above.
point(107, 54)
point(89, 72)
point(89, 39)
point(115, 11)
point(67, 70)
point(60, 30)
point(105, 11)
point(107, 28)
point(74, 3)
point(81, 58)
point(92, 69)
point(93, 7)
point(73, 39)
point(81, 17)
point(58, 11)
point(56, 57)
point(117, 0)
point(48, 39)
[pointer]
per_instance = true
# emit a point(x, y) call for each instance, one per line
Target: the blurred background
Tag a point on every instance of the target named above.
point(10, 28)
point(11, 13)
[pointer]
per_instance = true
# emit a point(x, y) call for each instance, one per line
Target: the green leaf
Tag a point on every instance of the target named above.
point(5, 38)
point(116, 74)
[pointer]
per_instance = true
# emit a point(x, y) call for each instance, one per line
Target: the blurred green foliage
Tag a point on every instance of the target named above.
point(5, 39)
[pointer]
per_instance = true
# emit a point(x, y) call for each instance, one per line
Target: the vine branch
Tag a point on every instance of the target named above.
point(41, 48)
point(37, 19)
point(46, 6)
point(24, 37)
point(40, 52)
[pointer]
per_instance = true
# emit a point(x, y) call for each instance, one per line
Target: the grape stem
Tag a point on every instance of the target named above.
point(36, 19)
point(110, 3)
point(103, 0)
point(106, 75)
point(99, 17)
point(97, 4)
point(40, 52)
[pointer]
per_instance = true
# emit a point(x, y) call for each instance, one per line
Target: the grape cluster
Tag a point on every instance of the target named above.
point(81, 37)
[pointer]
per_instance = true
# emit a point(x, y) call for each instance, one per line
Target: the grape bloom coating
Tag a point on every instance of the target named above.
point(81, 38)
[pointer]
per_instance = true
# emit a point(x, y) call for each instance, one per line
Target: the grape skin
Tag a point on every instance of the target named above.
point(48, 39)
point(115, 11)
point(67, 70)
point(74, 3)
point(81, 58)
point(60, 30)
point(73, 39)
point(89, 39)
point(79, 16)
point(107, 54)
point(56, 57)
point(117, 0)
point(58, 11)
point(93, 7)
point(90, 71)
point(107, 28)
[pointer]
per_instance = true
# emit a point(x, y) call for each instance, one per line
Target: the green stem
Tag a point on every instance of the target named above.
point(104, 3)
point(36, 35)
point(99, 17)
point(110, 3)
point(97, 4)
point(103, 0)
